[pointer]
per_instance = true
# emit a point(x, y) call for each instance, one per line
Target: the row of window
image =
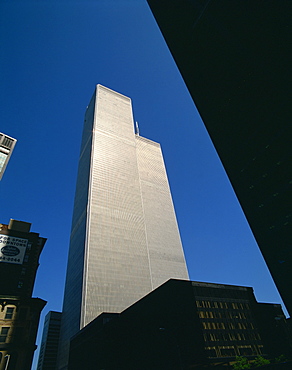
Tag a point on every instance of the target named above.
point(232, 351)
point(227, 325)
point(6, 141)
point(225, 337)
point(221, 315)
point(223, 305)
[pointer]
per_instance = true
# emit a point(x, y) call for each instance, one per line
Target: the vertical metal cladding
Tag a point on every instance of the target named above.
point(117, 271)
point(124, 239)
point(166, 255)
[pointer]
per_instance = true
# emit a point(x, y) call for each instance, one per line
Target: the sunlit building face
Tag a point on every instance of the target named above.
point(125, 240)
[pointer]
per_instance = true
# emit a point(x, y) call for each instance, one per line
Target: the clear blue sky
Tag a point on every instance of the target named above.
point(53, 53)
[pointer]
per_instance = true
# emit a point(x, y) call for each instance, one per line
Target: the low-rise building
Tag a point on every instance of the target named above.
point(19, 312)
point(180, 325)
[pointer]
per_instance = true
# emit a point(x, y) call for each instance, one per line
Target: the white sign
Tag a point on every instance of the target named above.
point(12, 249)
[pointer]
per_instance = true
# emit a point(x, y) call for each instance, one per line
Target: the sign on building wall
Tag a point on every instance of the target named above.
point(12, 249)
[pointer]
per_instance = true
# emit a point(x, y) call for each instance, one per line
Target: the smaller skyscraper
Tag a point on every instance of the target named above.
point(50, 341)
point(7, 145)
point(19, 315)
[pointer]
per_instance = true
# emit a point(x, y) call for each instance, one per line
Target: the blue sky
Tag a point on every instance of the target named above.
point(53, 53)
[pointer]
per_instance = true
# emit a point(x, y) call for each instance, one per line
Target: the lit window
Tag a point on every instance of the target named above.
point(9, 313)
point(3, 335)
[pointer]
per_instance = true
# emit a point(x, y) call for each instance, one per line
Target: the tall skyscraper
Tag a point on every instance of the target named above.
point(7, 145)
point(234, 57)
point(124, 239)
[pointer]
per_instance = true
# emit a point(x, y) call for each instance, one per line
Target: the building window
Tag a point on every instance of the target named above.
point(231, 325)
point(3, 334)
point(211, 351)
point(7, 142)
point(227, 351)
point(9, 313)
point(245, 350)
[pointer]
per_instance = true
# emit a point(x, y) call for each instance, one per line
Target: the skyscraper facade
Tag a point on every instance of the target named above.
point(50, 340)
point(124, 239)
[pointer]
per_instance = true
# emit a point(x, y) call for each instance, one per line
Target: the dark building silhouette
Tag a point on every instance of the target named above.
point(273, 325)
point(235, 58)
point(50, 341)
point(19, 314)
point(180, 325)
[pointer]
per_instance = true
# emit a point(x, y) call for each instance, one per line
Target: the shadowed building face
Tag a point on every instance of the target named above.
point(234, 57)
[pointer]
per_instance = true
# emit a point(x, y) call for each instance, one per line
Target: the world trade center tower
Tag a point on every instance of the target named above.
point(125, 240)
